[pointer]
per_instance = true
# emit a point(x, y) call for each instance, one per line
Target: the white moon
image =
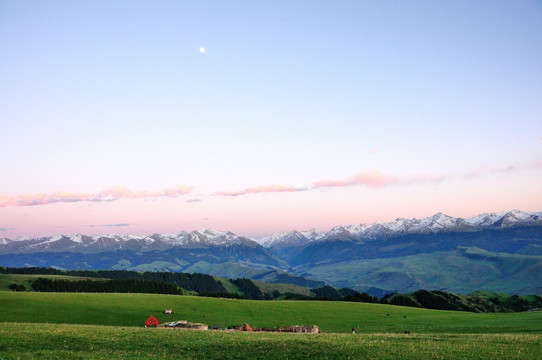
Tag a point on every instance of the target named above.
point(201, 50)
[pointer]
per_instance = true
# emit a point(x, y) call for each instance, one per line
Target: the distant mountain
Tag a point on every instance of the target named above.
point(151, 253)
point(437, 223)
point(437, 252)
point(99, 243)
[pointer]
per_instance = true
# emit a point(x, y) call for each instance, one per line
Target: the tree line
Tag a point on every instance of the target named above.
point(477, 302)
point(200, 283)
point(207, 285)
point(105, 286)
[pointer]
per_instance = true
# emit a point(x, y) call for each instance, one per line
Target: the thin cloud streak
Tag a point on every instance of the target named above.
point(487, 171)
point(378, 179)
point(373, 179)
point(115, 193)
point(110, 225)
point(370, 178)
point(261, 189)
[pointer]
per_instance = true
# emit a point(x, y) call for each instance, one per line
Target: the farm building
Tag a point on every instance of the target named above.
point(245, 327)
point(184, 325)
point(292, 329)
point(151, 321)
point(299, 329)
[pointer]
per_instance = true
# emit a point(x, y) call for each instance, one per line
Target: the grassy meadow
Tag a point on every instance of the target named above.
point(96, 326)
point(332, 317)
point(47, 341)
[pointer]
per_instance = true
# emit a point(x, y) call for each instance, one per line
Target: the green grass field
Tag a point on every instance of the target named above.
point(331, 317)
point(96, 326)
point(47, 341)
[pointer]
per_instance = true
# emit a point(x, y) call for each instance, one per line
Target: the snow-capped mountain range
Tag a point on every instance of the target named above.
point(436, 223)
point(207, 237)
point(102, 243)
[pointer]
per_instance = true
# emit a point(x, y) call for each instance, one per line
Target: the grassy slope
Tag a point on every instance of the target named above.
point(336, 317)
point(458, 272)
point(25, 279)
point(226, 270)
point(267, 288)
point(47, 341)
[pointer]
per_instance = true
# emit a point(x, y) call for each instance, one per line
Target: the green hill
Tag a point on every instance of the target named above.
point(6, 280)
point(463, 271)
point(205, 285)
point(476, 302)
point(190, 284)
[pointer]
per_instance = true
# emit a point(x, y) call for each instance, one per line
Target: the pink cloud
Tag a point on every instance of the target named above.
point(261, 189)
point(370, 178)
point(115, 193)
point(179, 190)
point(377, 179)
point(29, 200)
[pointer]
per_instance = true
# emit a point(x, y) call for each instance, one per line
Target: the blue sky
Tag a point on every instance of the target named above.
point(299, 114)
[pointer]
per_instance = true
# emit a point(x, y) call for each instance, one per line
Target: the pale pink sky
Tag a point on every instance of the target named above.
point(262, 210)
point(298, 114)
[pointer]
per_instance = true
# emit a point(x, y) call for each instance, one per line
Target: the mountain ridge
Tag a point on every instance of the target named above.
point(438, 222)
point(403, 255)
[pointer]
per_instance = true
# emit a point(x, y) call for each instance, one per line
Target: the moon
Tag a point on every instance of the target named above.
point(202, 50)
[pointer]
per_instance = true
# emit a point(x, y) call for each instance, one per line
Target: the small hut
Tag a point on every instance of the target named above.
point(151, 321)
point(245, 327)
point(294, 329)
point(183, 324)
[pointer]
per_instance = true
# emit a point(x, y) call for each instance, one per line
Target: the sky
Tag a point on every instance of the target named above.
point(297, 114)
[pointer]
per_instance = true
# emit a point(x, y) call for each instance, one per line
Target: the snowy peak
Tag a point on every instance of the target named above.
point(292, 238)
point(210, 237)
point(312, 234)
point(440, 222)
point(505, 219)
point(337, 231)
point(356, 229)
point(207, 237)
point(77, 238)
point(515, 217)
point(112, 242)
point(484, 219)
point(217, 237)
point(437, 223)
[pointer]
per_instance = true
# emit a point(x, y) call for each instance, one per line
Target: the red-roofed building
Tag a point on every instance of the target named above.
point(151, 321)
